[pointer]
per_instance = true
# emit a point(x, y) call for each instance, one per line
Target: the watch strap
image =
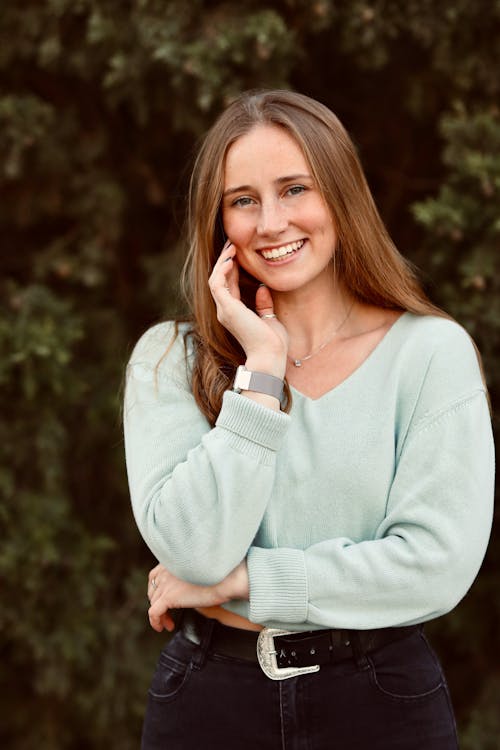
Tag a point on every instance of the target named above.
point(259, 382)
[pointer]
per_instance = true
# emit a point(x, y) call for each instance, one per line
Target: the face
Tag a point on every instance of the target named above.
point(272, 211)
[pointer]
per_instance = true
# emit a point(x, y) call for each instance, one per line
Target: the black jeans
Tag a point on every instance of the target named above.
point(394, 698)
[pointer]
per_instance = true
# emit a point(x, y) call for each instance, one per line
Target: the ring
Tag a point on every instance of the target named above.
point(268, 315)
point(154, 584)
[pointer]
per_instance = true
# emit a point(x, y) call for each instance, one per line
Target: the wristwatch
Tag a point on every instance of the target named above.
point(260, 382)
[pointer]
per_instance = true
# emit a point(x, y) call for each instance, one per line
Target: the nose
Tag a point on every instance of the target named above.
point(272, 218)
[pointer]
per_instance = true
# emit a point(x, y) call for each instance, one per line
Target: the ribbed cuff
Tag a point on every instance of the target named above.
point(248, 420)
point(278, 585)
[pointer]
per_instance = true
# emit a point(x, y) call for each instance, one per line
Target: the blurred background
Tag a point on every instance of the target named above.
point(102, 103)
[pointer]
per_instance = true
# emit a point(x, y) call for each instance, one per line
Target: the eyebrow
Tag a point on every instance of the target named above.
point(278, 181)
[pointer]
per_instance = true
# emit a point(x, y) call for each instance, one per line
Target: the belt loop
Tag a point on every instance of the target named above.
point(200, 656)
point(358, 652)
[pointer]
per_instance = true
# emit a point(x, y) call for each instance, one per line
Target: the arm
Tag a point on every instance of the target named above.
point(199, 494)
point(425, 553)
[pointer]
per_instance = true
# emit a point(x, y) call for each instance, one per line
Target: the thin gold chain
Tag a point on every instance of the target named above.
point(297, 361)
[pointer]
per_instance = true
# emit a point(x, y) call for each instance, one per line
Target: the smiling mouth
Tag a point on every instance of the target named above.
point(280, 252)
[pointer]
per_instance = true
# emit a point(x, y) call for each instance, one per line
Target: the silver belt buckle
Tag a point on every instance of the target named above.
point(266, 654)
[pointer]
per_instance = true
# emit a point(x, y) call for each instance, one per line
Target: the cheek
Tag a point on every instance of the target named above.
point(322, 221)
point(326, 229)
point(248, 262)
point(239, 229)
point(243, 261)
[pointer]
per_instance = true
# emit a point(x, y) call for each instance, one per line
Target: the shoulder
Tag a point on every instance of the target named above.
point(162, 352)
point(441, 342)
point(438, 365)
point(153, 342)
point(434, 328)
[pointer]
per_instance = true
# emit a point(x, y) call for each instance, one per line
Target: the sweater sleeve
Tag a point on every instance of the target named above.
point(198, 494)
point(425, 553)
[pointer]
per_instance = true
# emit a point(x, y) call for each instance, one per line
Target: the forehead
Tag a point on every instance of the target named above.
point(265, 151)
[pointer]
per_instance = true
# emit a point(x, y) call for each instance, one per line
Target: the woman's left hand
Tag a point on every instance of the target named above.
point(166, 592)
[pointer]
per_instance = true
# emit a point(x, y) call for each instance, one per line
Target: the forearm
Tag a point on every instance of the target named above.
point(365, 585)
point(423, 556)
point(199, 496)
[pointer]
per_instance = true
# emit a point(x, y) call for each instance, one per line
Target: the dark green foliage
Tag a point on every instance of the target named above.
point(101, 104)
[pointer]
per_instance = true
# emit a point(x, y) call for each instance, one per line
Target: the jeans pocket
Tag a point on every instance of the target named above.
point(173, 669)
point(406, 670)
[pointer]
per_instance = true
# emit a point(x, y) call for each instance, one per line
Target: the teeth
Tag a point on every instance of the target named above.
point(280, 252)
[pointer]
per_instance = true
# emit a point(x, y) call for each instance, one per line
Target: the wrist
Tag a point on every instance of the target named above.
point(268, 365)
point(258, 383)
point(234, 585)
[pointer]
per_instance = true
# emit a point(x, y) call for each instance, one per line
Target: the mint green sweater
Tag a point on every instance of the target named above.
point(368, 507)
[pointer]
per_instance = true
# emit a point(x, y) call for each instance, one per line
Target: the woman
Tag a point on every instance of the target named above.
point(310, 461)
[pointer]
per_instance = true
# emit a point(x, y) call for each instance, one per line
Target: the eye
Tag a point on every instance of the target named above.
point(243, 201)
point(296, 190)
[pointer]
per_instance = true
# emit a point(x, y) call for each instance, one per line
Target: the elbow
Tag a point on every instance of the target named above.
point(458, 584)
point(446, 601)
point(446, 585)
point(187, 558)
point(203, 554)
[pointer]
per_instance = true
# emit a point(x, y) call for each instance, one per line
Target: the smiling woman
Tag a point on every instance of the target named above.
point(282, 229)
point(306, 541)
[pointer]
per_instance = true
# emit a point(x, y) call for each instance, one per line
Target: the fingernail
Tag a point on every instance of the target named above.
point(261, 285)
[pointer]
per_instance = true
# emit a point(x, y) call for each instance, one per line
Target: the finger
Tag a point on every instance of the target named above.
point(224, 280)
point(152, 587)
point(154, 572)
point(155, 623)
point(167, 622)
point(263, 301)
point(226, 246)
point(233, 278)
point(159, 618)
point(222, 266)
point(153, 595)
point(226, 253)
point(159, 583)
point(155, 615)
point(159, 605)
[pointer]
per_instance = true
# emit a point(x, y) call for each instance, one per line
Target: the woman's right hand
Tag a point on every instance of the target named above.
point(263, 339)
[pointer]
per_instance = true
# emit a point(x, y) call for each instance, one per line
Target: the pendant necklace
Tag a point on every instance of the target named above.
point(298, 362)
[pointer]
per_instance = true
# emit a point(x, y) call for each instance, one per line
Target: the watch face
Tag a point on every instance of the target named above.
point(243, 379)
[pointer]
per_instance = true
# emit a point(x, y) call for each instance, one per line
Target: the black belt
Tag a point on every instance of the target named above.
point(288, 651)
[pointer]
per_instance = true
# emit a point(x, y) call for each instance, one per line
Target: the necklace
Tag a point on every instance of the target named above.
point(298, 362)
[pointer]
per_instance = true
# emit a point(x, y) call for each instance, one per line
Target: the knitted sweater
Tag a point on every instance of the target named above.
point(368, 507)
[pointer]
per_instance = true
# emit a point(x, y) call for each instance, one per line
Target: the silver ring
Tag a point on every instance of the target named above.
point(154, 584)
point(269, 316)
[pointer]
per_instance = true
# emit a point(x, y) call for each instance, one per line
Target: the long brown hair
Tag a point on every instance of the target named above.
point(366, 259)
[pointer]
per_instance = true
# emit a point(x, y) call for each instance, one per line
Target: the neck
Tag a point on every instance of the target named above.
point(311, 316)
